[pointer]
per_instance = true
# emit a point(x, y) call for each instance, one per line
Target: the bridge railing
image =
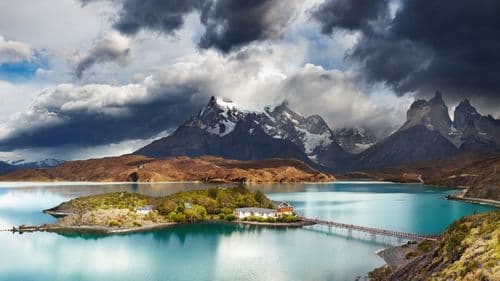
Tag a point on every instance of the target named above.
point(370, 229)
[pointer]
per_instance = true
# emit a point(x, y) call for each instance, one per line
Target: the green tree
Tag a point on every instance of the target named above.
point(259, 197)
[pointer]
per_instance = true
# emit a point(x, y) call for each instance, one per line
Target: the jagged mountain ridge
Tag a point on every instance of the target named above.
point(229, 130)
point(429, 133)
point(232, 131)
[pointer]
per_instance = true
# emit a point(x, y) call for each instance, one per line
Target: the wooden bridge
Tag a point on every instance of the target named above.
point(371, 230)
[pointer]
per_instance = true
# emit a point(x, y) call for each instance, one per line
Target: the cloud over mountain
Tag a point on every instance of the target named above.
point(229, 24)
point(422, 46)
point(97, 114)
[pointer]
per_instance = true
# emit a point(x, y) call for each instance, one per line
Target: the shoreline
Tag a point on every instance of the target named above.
point(299, 223)
point(460, 196)
point(107, 230)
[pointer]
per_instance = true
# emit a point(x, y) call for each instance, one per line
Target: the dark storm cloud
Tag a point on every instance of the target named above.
point(450, 45)
point(101, 120)
point(348, 14)
point(159, 15)
point(229, 24)
point(233, 23)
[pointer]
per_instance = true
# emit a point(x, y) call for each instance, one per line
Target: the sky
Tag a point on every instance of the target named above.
point(92, 78)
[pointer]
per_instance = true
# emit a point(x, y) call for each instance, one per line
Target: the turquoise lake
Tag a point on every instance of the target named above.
point(223, 251)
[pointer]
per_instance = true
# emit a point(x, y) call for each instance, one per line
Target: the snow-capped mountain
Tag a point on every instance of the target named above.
point(8, 166)
point(354, 140)
point(224, 128)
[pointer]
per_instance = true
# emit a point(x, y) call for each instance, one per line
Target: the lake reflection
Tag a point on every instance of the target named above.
point(222, 251)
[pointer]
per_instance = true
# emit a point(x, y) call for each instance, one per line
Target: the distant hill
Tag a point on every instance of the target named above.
point(144, 169)
point(478, 173)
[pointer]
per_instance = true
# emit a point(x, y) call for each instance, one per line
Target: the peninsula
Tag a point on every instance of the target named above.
point(122, 212)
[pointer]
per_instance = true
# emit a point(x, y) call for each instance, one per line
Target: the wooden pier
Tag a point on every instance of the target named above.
point(371, 230)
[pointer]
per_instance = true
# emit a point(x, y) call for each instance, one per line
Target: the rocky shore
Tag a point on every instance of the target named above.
point(467, 250)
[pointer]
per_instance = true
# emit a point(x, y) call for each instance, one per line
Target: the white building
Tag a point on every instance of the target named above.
point(145, 209)
point(256, 212)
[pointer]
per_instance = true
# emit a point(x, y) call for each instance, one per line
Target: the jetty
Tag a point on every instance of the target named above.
point(371, 230)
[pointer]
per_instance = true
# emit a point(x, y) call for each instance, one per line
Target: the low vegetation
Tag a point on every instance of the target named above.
point(469, 249)
point(119, 209)
point(283, 219)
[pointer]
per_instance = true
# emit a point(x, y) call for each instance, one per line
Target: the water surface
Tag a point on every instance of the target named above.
point(223, 251)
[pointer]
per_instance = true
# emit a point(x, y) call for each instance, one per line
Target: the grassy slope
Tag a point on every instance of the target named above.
point(468, 250)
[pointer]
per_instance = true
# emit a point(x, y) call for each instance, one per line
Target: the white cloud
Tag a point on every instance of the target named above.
point(256, 76)
point(14, 51)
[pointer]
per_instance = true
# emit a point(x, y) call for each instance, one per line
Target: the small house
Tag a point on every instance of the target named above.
point(144, 210)
point(284, 208)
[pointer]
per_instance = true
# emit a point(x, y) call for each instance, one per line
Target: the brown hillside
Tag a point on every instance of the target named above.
point(144, 169)
point(478, 173)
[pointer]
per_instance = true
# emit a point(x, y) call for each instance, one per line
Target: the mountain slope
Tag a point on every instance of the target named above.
point(414, 144)
point(429, 134)
point(232, 131)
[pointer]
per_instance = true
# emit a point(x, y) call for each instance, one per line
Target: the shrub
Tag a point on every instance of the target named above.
point(226, 211)
point(212, 193)
point(176, 217)
point(222, 216)
point(166, 206)
point(410, 255)
point(259, 197)
point(271, 220)
point(114, 223)
point(261, 219)
point(196, 213)
point(424, 246)
point(230, 217)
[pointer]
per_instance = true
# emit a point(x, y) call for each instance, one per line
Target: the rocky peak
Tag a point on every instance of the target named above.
point(355, 140)
point(470, 126)
point(433, 114)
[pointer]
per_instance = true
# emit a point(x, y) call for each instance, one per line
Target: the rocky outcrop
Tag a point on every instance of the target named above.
point(144, 169)
point(432, 114)
point(473, 130)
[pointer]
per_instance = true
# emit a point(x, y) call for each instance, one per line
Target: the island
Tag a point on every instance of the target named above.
point(125, 212)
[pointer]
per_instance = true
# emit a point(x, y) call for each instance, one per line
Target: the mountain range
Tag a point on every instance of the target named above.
point(9, 166)
point(225, 129)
